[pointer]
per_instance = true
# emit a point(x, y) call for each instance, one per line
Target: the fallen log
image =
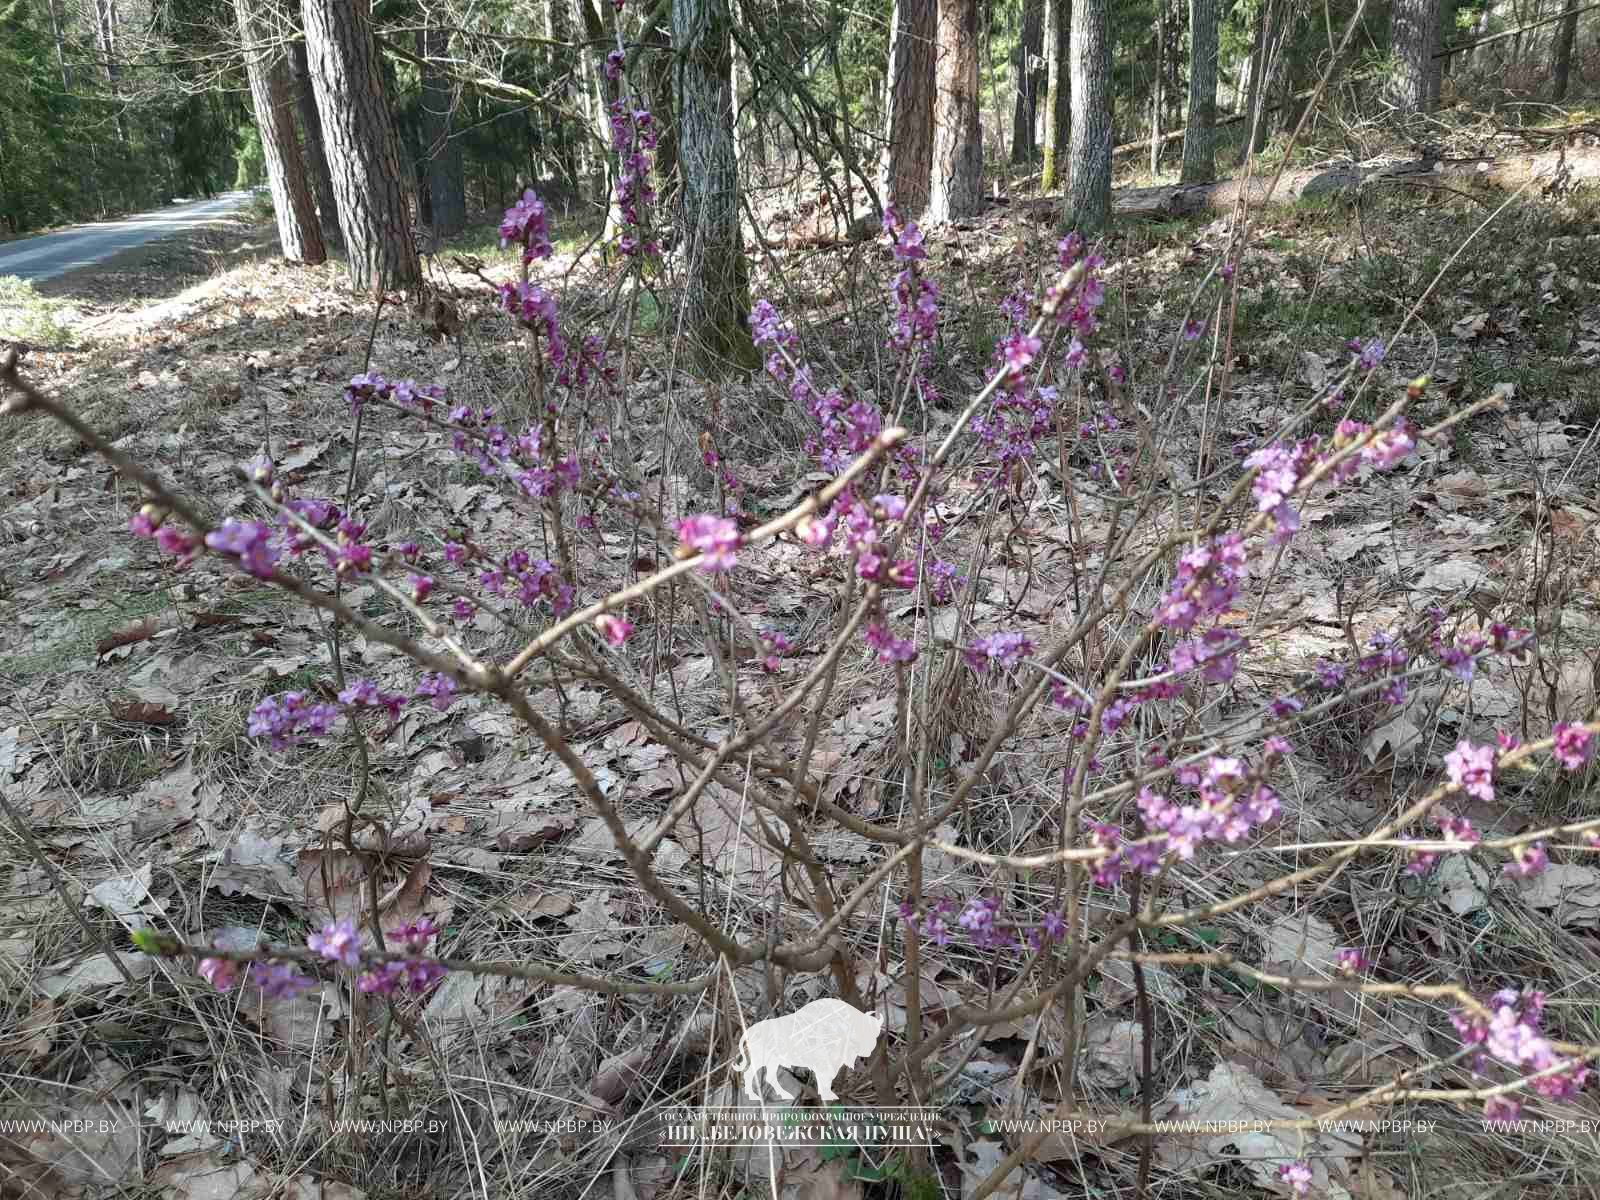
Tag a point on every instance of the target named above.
point(1557, 168)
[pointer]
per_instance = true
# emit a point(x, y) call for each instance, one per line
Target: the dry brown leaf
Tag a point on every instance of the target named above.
point(1570, 889)
point(524, 832)
point(30, 1039)
point(594, 931)
point(615, 1076)
point(1111, 1051)
point(205, 1176)
point(256, 866)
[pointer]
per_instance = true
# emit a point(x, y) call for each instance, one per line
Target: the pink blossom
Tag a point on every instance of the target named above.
point(1353, 961)
point(220, 973)
point(1572, 745)
point(1297, 1175)
point(337, 942)
point(714, 538)
point(614, 629)
point(1529, 861)
point(1472, 769)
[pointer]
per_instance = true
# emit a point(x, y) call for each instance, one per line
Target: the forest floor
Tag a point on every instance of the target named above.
point(125, 685)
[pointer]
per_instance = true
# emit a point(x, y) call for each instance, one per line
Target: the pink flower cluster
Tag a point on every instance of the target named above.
point(1471, 768)
point(413, 974)
point(1297, 1175)
point(1230, 800)
point(525, 225)
point(1511, 1036)
point(277, 981)
point(980, 920)
point(251, 542)
point(1573, 745)
point(633, 133)
point(1023, 412)
point(915, 322)
point(1077, 308)
point(714, 538)
point(1207, 582)
point(998, 649)
point(1451, 829)
point(289, 719)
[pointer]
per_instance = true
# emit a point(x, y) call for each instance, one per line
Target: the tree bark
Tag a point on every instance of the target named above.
point(316, 155)
point(1024, 118)
point(1411, 29)
point(298, 233)
point(1444, 16)
point(441, 150)
point(1263, 59)
point(1058, 91)
point(1089, 173)
point(957, 185)
point(1199, 134)
point(1155, 88)
point(716, 283)
point(907, 167)
point(363, 150)
point(1561, 69)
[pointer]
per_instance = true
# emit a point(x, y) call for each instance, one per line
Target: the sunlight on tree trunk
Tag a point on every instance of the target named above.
point(316, 155)
point(957, 190)
point(1058, 98)
point(363, 151)
point(298, 232)
point(1028, 78)
point(907, 167)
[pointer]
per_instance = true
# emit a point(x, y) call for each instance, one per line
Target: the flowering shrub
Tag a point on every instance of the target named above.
point(1143, 802)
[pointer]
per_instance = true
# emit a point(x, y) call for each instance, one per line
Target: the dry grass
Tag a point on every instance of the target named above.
point(258, 354)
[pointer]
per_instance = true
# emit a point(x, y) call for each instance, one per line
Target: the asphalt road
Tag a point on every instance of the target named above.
point(57, 253)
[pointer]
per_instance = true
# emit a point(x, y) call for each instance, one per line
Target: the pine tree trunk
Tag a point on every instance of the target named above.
point(907, 168)
point(1444, 16)
point(441, 150)
point(1199, 133)
point(298, 233)
point(316, 155)
point(1024, 118)
point(716, 284)
point(1262, 59)
point(957, 183)
point(1155, 88)
point(1410, 37)
point(363, 150)
point(1089, 174)
point(1058, 92)
point(1173, 89)
point(1566, 35)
